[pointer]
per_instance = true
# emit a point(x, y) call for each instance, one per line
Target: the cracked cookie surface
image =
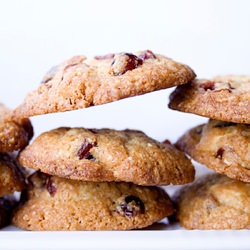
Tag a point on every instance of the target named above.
point(221, 146)
point(107, 155)
point(80, 82)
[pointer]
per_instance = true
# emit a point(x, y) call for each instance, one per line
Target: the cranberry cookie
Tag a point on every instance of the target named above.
point(12, 177)
point(15, 133)
point(221, 146)
point(225, 98)
point(54, 203)
point(214, 201)
point(107, 155)
point(80, 82)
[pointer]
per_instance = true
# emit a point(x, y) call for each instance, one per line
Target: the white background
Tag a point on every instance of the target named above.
point(213, 37)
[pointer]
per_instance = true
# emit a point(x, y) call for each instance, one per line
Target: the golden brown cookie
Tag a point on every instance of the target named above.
point(225, 98)
point(214, 201)
point(7, 204)
point(12, 177)
point(221, 146)
point(54, 203)
point(107, 155)
point(15, 133)
point(80, 82)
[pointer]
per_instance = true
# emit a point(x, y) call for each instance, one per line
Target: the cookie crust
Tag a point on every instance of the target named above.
point(214, 202)
point(107, 155)
point(225, 97)
point(221, 146)
point(12, 177)
point(80, 82)
point(54, 203)
point(15, 133)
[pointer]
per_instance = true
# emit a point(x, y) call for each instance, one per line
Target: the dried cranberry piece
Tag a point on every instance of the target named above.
point(230, 86)
point(70, 65)
point(108, 56)
point(83, 152)
point(125, 62)
point(50, 74)
point(147, 54)
point(166, 142)
point(208, 85)
point(131, 206)
point(220, 153)
point(42, 180)
point(50, 186)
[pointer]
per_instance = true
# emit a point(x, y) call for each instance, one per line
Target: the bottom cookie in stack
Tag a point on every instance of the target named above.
point(98, 180)
point(11, 180)
point(54, 203)
point(214, 201)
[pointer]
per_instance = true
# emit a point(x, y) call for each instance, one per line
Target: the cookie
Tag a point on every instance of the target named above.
point(80, 82)
point(214, 201)
point(7, 204)
point(12, 177)
point(221, 146)
point(225, 98)
point(15, 133)
point(54, 203)
point(107, 155)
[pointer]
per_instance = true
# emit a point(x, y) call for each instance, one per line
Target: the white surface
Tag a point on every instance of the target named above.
point(212, 36)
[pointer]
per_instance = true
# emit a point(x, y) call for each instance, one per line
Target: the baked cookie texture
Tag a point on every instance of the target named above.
point(214, 202)
point(7, 204)
point(225, 97)
point(53, 203)
point(221, 146)
point(107, 155)
point(80, 82)
point(12, 176)
point(15, 133)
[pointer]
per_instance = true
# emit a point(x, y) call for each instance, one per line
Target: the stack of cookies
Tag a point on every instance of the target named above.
point(15, 134)
point(99, 179)
point(220, 200)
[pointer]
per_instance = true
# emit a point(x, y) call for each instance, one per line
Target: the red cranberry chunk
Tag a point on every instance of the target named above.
point(108, 56)
point(230, 86)
point(147, 54)
point(208, 86)
point(50, 74)
point(70, 65)
point(124, 62)
point(131, 206)
point(166, 142)
point(83, 152)
point(220, 153)
point(51, 186)
point(42, 180)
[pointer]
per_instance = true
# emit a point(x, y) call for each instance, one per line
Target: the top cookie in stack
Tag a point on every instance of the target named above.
point(80, 82)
